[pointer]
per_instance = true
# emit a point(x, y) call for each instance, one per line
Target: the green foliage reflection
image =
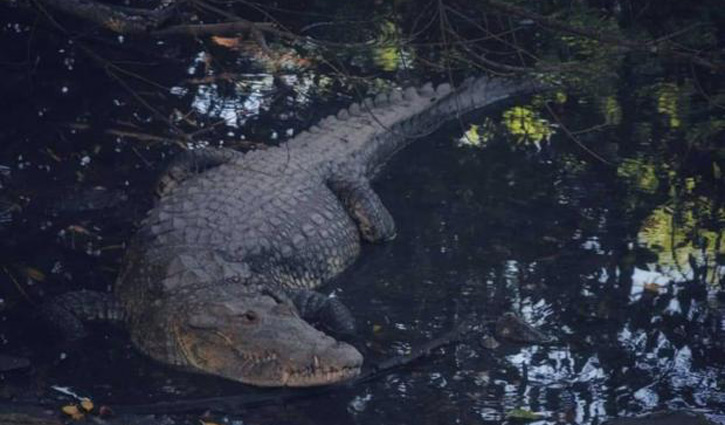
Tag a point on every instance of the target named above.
point(527, 126)
point(389, 54)
point(681, 243)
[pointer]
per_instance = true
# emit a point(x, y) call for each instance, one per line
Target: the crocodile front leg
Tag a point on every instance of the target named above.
point(327, 311)
point(362, 204)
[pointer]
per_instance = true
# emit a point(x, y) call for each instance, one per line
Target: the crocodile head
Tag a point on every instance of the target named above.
point(260, 340)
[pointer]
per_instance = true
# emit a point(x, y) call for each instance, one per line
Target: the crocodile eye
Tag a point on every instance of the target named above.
point(250, 317)
point(272, 294)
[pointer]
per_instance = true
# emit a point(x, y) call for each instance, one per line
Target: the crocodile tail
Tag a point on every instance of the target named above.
point(441, 105)
point(68, 313)
point(372, 131)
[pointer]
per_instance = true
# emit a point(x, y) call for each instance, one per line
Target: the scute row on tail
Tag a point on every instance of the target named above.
point(383, 100)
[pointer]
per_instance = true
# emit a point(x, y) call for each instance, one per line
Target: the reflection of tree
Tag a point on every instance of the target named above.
point(522, 124)
point(390, 54)
point(639, 174)
point(682, 244)
point(667, 104)
point(600, 34)
point(525, 125)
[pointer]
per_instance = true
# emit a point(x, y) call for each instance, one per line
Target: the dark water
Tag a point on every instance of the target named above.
point(573, 245)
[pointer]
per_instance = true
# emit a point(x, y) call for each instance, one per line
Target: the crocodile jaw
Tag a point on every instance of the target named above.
point(321, 371)
point(277, 348)
point(211, 354)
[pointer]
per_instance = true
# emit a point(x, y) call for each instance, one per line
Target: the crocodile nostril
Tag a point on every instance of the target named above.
point(250, 317)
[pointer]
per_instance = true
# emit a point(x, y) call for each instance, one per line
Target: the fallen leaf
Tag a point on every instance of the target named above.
point(34, 274)
point(86, 404)
point(72, 411)
point(228, 42)
point(75, 228)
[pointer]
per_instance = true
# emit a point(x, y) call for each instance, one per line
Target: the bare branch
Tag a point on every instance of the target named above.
point(660, 47)
point(225, 28)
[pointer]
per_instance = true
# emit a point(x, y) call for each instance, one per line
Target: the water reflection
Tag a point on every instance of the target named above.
point(248, 98)
point(683, 247)
point(625, 349)
point(390, 53)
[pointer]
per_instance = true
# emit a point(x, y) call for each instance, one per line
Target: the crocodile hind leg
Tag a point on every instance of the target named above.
point(68, 313)
point(363, 205)
point(327, 311)
point(192, 162)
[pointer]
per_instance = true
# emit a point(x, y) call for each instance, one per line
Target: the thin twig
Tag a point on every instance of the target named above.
point(650, 46)
point(592, 128)
point(573, 137)
point(18, 286)
point(702, 91)
point(144, 137)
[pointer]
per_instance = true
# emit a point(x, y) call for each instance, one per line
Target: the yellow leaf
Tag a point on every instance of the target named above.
point(86, 404)
point(377, 328)
point(72, 411)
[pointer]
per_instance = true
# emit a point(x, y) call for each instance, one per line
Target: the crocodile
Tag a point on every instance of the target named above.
point(221, 275)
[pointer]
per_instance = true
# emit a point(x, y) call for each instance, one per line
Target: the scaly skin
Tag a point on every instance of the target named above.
point(219, 278)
